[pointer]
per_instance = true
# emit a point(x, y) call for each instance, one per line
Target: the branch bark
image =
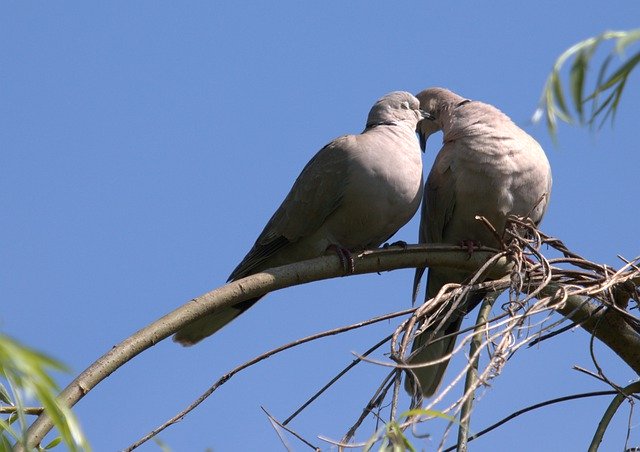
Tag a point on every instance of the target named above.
point(625, 344)
point(325, 267)
point(606, 324)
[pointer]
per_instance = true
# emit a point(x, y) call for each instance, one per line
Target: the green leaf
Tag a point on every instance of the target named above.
point(164, 447)
point(553, 97)
point(601, 107)
point(629, 38)
point(617, 95)
point(53, 443)
point(5, 444)
point(433, 413)
point(17, 395)
point(621, 73)
point(601, 75)
point(603, 70)
point(6, 427)
point(28, 372)
point(369, 444)
point(576, 82)
point(13, 417)
point(4, 395)
point(397, 438)
point(558, 96)
point(551, 122)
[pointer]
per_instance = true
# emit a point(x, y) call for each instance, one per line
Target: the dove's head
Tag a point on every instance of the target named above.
point(438, 103)
point(398, 107)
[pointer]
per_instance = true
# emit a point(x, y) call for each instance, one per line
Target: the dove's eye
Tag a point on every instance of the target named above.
point(404, 105)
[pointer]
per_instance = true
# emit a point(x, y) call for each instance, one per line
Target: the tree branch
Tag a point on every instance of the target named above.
point(611, 410)
point(607, 325)
point(30, 410)
point(471, 382)
point(611, 325)
point(256, 285)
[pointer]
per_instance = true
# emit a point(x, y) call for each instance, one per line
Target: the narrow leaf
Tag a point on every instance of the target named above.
point(53, 443)
point(423, 412)
point(5, 444)
point(6, 427)
point(629, 37)
point(559, 95)
point(602, 107)
point(576, 82)
point(4, 395)
point(614, 105)
point(595, 96)
point(621, 73)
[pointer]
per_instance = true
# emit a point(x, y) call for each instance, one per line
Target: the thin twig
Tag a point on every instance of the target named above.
point(374, 402)
point(531, 408)
point(571, 326)
point(178, 417)
point(629, 424)
point(282, 426)
point(29, 410)
point(537, 286)
point(275, 426)
point(334, 379)
point(325, 267)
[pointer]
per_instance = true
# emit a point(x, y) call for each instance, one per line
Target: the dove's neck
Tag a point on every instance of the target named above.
point(397, 123)
point(380, 123)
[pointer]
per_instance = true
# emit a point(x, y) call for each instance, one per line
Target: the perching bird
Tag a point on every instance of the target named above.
point(355, 193)
point(487, 166)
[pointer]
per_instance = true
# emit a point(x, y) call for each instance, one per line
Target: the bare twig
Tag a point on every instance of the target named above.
point(178, 417)
point(592, 299)
point(282, 426)
point(336, 378)
point(30, 410)
point(629, 425)
point(591, 295)
point(276, 427)
point(375, 402)
point(531, 408)
point(255, 285)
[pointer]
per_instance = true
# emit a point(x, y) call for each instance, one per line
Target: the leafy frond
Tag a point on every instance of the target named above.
point(25, 373)
point(609, 85)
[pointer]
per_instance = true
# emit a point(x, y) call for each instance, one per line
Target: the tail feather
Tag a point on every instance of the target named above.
point(211, 323)
point(416, 284)
point(427, 379)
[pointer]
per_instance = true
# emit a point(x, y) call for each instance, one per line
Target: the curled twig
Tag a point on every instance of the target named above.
point(587, 293)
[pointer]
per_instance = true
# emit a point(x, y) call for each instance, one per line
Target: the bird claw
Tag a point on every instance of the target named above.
point(401, 243)
point(346, 258)
point(470, 245)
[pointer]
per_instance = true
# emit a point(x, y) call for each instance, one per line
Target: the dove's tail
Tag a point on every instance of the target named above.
point(435, 346)
point(209, 324)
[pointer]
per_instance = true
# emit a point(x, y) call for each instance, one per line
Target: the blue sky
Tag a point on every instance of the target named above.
point(145, 144)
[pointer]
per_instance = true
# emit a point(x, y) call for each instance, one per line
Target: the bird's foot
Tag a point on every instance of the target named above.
point(346, 258)
point(401, 243)
point(470, 245)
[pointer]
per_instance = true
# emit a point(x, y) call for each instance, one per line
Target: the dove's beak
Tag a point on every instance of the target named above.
point(427, 115)
point(423, 140)
point(421, 135)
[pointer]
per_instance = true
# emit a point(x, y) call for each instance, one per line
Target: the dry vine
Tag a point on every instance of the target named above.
point(591, 295)
point(536, 287)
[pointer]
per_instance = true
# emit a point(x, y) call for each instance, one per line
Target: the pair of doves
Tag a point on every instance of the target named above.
point(358, 190)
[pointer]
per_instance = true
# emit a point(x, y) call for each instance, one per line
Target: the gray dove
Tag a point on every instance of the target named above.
point(355, 193)
point(487, 166)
